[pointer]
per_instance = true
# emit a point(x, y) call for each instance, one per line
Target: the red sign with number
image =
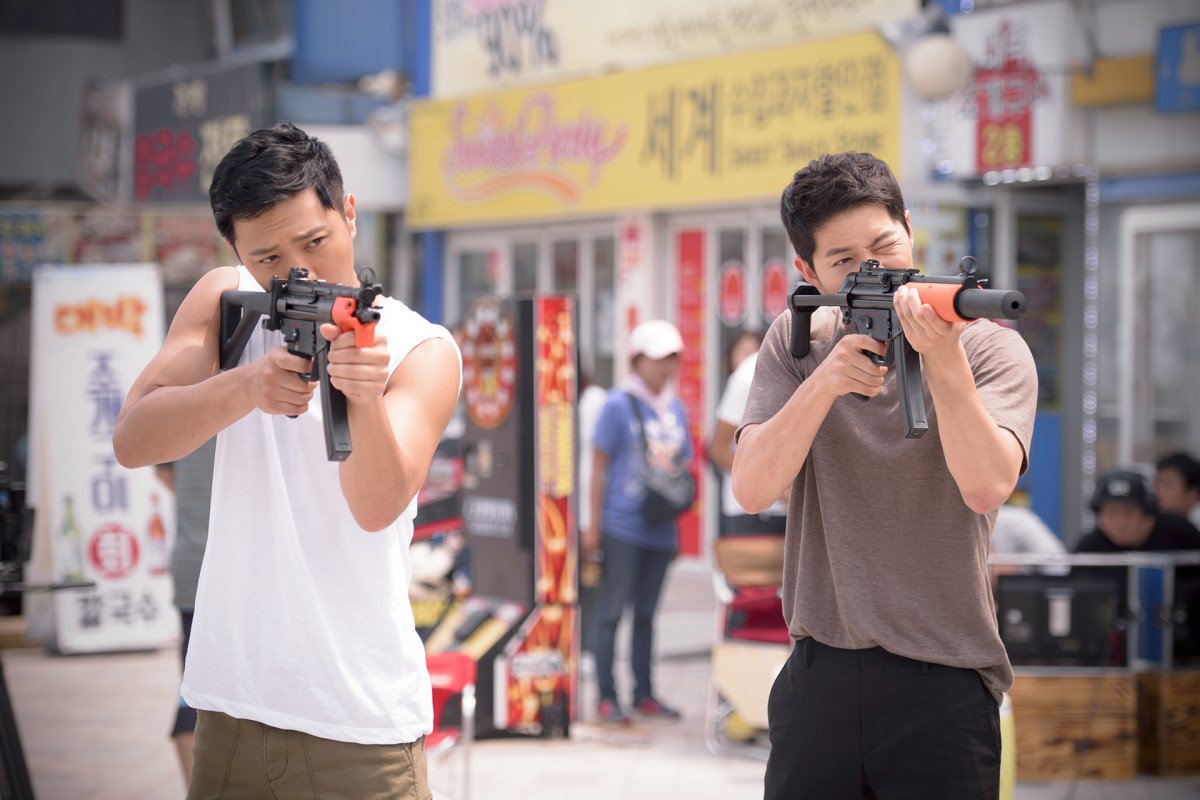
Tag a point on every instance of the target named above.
point(1005, 92)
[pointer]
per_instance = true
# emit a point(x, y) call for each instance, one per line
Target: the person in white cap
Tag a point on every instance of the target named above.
point(643, 423)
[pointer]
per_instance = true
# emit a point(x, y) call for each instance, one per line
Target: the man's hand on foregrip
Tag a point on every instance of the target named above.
point(927, 332)
point(360, 373)
point(275, 386)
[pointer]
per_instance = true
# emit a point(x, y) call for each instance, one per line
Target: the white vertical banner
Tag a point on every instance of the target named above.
point(94, 329)
point(635, 293)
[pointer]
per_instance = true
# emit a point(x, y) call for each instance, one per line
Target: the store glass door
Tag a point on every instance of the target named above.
point(1161, 414)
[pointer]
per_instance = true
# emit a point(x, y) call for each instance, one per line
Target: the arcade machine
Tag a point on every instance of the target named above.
point(520, 623)
point(440, 561)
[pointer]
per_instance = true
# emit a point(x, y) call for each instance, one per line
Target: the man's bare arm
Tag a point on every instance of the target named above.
point(769, 456)
point(181, 400)
point(396, 435)
point(983, 458)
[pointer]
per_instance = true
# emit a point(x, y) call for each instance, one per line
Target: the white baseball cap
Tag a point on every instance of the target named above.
point(655, 339)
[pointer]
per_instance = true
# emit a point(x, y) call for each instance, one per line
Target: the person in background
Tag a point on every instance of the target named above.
point(1177, 486)
point(193, 494)
point(1128, 519)
point(591, 403)
point(1019, 531)
point(740, 360)
point(636, 554)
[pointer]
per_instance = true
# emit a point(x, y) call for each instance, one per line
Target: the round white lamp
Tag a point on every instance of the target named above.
point(937, 67)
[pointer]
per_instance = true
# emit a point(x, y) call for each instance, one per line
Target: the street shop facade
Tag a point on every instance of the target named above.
point(651, 193)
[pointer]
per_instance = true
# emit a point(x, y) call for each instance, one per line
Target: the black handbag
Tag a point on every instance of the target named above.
point(669, 493)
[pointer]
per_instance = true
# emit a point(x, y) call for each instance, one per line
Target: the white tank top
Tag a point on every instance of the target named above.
point(302, 618)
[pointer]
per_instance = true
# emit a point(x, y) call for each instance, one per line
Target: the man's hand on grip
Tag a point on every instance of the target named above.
point(275, 386)
point(847, 369)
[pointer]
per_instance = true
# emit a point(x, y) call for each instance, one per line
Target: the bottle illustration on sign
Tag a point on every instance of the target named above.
point(156, 541)
point(70, 546)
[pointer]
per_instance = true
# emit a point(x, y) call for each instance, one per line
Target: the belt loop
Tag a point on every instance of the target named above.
point(807, 654)
point(924, 667)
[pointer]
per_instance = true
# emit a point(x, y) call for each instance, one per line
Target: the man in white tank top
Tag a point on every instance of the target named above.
point(304, 662)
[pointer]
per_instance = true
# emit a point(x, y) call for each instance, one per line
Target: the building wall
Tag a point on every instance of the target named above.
point(42, 81)
point(1163, 141)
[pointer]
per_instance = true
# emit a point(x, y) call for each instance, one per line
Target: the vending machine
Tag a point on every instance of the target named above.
point(520, 623)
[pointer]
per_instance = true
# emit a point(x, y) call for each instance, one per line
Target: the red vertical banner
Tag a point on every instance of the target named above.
point(544, 669)
point(554, 403)
point(689, 316)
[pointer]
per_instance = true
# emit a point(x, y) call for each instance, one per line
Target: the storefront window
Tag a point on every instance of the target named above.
point(604, 301)
point(1039, 277)
point(777, 274)
point(480, 272)
point(733, 289)
point(525, 265)
point(566, 266)
point(1167, 345)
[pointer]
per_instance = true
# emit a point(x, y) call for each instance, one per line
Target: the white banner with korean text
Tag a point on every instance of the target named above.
point(485, 45)
point(94, 329)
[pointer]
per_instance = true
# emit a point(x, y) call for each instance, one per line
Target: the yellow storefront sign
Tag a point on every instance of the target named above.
point(722, 131)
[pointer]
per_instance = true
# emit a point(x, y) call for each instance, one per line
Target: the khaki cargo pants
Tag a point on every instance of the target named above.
point(237, 759)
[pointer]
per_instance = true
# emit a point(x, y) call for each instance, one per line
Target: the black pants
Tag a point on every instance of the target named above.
point(870, 724)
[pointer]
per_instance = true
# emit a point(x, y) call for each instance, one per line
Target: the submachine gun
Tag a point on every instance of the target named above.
point(298, 307)
point(865, 299)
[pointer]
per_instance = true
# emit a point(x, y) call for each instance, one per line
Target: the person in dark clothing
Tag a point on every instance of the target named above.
point(1128, 519)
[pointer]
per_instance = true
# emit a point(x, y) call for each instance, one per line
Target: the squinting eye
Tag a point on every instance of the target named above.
point(317, 241)
point(268, 260)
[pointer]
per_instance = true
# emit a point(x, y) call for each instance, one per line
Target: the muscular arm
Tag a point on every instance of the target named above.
point(395, 435)
point(770, 455)
point(181, 400)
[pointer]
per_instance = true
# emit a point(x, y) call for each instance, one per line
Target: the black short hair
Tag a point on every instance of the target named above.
point(831, 184)
point(1187, 466)
point(268, 166)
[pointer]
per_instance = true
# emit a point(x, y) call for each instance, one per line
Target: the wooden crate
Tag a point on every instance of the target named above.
point(1075, 725)
point(1169, 722)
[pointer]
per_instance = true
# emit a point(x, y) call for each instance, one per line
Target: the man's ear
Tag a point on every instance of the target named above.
point(349, 215)
point(908, 222)
point(806, 271)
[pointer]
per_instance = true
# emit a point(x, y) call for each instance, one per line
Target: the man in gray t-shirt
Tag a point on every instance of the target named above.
point(898, 669)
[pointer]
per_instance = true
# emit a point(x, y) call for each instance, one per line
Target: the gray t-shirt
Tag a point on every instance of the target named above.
point(880, 549)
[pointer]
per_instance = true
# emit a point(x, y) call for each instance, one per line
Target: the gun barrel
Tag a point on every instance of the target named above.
point(990, 304)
